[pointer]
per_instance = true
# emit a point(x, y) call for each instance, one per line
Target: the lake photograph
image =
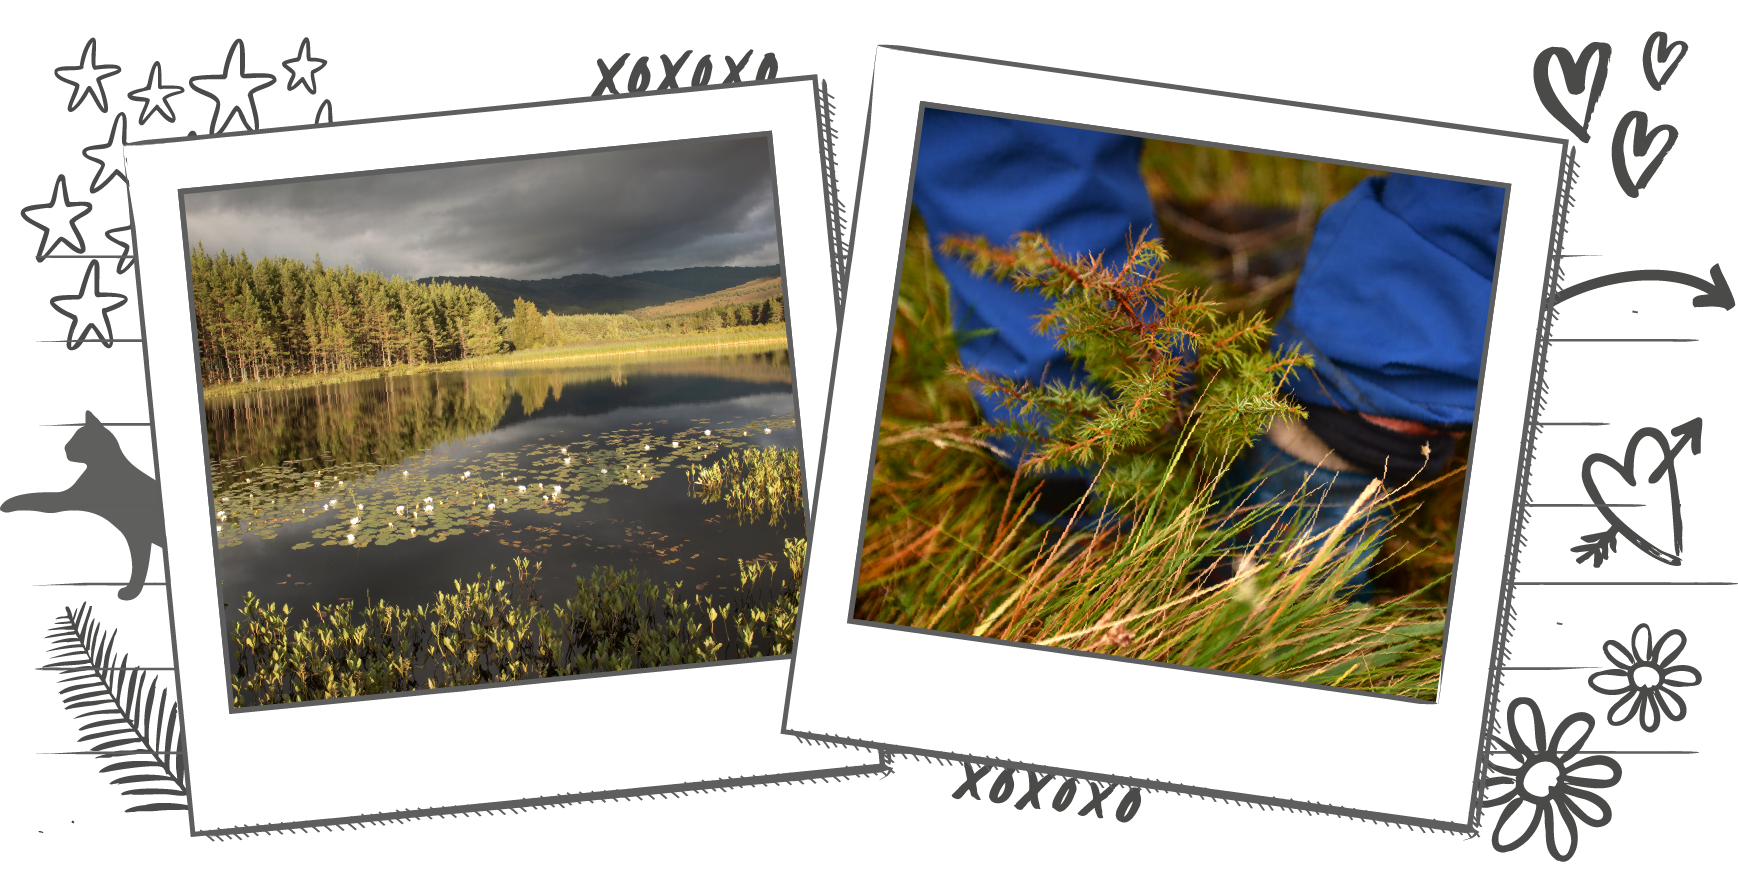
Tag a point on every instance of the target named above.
point(498, 421)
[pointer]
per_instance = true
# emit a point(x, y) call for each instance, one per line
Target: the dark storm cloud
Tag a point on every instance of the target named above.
point(670, 206)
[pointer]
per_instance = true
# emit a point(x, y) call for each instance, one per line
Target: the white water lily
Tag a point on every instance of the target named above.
point(709, 432)
point(221, 515)
point(428, 500)
point(401, 509)
point(648, 446)
point(564, 451)
point(674, 445)
point(558, 490)
point(354, 520)
point(406, 473)
point(521, 490)
point(767, 430)
point(350, 537)
point(567, 461)
point(491, 506)
point(220, 527)
point(316, 484)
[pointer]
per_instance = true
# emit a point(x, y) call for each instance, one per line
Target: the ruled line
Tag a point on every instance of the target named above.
point(111, 584)
point(65, 668)
point(1625, 583)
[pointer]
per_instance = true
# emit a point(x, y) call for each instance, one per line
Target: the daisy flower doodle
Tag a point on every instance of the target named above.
point(1643, 677)
point(1547, 784)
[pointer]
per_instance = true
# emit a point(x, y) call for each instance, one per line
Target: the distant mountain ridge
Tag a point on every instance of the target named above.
point(601, 294)
point(757, 290)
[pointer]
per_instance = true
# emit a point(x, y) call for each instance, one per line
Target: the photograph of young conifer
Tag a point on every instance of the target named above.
point(503, 421)
point(1158, 561)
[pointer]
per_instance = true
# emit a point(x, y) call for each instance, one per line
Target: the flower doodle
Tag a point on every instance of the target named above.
point(1544, 781)
point(1644, 678)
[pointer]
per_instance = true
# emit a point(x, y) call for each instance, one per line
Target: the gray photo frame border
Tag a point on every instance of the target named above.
point(1518, 512)
point(837, 257)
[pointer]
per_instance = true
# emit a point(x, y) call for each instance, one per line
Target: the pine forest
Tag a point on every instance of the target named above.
point(281, 317)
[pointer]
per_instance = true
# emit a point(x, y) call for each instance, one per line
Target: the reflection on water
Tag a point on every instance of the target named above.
point(393, 488)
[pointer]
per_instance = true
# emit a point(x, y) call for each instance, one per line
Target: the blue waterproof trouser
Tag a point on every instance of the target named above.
point(995, 177)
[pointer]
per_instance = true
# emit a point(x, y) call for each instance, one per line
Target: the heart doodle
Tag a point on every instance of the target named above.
point(1642, 142)
point(1599, 546)
point(1659, 50)
point(1575, 77)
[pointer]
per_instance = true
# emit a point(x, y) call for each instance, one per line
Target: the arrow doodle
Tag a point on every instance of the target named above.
point(1715, 293)
point(1599, 546)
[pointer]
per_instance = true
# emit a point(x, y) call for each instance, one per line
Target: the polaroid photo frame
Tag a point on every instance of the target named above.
point(1145, 724)
point(612, 734)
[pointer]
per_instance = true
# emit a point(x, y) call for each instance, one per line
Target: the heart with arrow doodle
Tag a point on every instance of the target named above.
point(1648, 472)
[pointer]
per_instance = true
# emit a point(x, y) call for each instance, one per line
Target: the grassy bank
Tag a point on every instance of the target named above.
point(746, 337)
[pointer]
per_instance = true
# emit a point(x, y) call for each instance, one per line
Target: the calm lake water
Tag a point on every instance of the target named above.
point(382, 488)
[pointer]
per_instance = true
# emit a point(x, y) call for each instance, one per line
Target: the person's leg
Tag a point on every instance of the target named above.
point(1296, 487)
point(1391, 306)
point(996, 177)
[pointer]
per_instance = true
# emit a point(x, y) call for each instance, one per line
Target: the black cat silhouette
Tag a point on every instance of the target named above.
point(111, 488)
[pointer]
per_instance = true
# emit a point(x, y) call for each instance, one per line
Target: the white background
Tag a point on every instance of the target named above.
point(1470, 63)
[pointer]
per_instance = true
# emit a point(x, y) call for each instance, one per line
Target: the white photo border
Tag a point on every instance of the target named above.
point(659, 729)
point(1143, 724)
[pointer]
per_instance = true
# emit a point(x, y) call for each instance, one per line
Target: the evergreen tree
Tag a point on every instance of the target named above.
point(280, 316)
point(526, 329)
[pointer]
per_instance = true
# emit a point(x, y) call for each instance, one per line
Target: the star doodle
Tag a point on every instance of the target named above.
point(107, 156)
point(61, 216)
point(125, 242)
point(89, 310)
point(302, 68)
point(87, 78)
point(233, 90)
point(155, 95)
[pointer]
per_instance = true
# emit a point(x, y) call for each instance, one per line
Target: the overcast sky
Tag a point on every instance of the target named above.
point(669, 206)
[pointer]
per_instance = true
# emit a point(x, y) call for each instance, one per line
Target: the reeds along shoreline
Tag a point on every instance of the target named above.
point(500, 630)
point(603, 352)
point(755, 483)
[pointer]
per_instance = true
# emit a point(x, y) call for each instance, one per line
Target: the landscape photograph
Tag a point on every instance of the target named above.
point(1228, 431)
point(498, 421)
